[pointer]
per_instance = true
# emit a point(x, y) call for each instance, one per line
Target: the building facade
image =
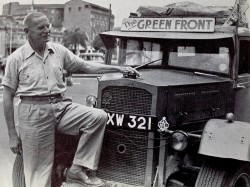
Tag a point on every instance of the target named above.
point(11, 35)
point(90, 18)
point(53, 11)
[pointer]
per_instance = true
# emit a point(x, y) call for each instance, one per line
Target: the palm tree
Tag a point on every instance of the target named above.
point(75, 38)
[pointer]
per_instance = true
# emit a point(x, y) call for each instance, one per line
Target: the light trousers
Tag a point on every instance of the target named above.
point(38, 124)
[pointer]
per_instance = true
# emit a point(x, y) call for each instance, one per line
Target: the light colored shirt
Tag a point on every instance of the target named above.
point(29, 74)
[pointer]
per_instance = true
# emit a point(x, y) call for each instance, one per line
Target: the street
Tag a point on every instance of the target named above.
point(78, 92)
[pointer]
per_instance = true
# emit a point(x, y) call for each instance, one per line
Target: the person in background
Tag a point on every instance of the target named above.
point(2, 65)
point(34, 72)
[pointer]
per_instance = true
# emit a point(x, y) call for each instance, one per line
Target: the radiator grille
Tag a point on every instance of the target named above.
point(127, 100)
point(128, 167)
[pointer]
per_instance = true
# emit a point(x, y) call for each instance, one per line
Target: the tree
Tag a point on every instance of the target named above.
point(98, 43)
point(74, 38)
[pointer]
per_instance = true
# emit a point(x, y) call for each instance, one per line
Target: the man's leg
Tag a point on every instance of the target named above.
point(37, 130)
point(90, 123)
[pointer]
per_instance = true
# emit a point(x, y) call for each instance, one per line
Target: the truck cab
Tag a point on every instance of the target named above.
point(186, 118)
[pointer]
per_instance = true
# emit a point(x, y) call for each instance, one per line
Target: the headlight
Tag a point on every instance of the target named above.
point(230, 117)
point(179, 141)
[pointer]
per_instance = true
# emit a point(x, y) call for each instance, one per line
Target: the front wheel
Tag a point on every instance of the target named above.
point(224, 173)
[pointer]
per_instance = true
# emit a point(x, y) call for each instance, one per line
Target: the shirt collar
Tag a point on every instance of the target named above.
point(49, 47)
point(29, 51)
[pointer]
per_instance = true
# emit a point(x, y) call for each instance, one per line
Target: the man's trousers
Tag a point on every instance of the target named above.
point(38, 124)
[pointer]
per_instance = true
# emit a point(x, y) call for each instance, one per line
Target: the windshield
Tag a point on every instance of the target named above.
point(136, 53)
point(211, 56)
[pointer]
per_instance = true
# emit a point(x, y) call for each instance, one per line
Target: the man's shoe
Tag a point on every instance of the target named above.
point(82, 178)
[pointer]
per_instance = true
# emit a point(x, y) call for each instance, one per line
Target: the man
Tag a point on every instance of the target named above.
point(34, 72)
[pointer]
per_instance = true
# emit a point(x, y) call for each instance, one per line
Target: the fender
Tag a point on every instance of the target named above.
point(225, 139)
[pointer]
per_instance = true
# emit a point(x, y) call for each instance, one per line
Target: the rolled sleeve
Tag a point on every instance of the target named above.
point(72, 62)
point(10, 78)
point(7, 82)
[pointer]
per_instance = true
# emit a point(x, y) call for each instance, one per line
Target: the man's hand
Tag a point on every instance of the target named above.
point(15, 144)
point(129, 70)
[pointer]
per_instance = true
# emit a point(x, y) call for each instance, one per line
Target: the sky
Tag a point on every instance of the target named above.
point(122, 8)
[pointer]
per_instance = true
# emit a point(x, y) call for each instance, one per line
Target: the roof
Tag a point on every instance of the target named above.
point(93, 6)
point(50, 6)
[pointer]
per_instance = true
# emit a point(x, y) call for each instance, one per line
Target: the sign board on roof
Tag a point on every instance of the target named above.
point(169, 24)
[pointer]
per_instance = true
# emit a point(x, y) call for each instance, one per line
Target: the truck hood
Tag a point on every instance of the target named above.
point(160, 77)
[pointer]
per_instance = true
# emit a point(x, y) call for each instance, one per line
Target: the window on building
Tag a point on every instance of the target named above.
point(79, 8)
point(86, 6)
point(69, 9)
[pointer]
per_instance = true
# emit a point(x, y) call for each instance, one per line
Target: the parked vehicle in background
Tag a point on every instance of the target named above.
point(97, 57)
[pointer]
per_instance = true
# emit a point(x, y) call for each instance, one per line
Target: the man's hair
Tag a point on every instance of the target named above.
point(29, 18)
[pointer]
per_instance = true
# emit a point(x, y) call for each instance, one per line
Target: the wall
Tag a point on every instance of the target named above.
point(77, 14)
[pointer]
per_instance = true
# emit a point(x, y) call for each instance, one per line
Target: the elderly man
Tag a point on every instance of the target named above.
point(34, 72)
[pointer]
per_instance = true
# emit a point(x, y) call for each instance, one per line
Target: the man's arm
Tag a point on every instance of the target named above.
point(74, 63)
point(14, 140)
point(93, 67)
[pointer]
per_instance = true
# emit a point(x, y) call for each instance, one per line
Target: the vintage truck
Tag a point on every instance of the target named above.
point(185, 121)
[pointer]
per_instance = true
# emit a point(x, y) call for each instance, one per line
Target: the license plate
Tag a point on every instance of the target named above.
point(129, 121)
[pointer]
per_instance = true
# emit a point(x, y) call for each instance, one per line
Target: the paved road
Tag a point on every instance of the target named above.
point(82, 87)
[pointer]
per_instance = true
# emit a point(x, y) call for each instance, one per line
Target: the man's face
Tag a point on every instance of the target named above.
point(39, 30)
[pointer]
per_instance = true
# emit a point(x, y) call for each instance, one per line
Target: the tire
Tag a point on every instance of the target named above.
point(224, 173)
point(18, 173)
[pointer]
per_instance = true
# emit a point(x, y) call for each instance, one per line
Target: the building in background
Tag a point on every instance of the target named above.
point(11, 35)
point(2, 38)
point(89, 17)
point(53, 11)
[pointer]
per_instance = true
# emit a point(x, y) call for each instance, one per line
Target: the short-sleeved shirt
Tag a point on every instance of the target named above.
point(30, 75)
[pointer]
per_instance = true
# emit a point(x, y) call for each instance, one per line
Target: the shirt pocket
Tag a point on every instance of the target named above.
point(28, 73)
point(57, 71)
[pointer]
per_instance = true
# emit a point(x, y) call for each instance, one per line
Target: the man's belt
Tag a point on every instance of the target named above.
point(47, 99)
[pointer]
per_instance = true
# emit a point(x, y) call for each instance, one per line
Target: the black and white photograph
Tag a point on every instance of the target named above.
point(124, 93)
